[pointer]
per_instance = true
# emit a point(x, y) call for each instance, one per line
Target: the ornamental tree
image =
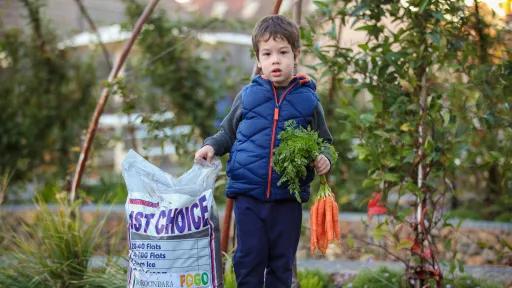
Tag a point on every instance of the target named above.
point(403, 97)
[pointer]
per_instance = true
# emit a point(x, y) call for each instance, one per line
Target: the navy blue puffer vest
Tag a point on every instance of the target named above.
point(249, 167)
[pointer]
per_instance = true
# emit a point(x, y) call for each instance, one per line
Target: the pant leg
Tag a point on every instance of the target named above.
point(283, 228)
point(251, 254)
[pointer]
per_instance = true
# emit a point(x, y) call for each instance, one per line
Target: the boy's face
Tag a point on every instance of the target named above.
point(276, 60)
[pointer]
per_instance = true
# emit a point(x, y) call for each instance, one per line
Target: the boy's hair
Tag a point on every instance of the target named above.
point(275, 26)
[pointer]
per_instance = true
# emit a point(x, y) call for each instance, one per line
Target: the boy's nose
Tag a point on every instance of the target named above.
point(275, 60)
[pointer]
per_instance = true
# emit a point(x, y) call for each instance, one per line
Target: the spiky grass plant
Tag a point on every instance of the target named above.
point(229, 272)
point(5, 177)
point(53, 250)
point(113, 275)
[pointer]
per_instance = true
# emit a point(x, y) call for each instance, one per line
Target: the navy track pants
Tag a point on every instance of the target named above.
point(267, 239)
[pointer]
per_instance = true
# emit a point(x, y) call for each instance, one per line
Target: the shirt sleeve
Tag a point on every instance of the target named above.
point(225, 137)
point(319, 124)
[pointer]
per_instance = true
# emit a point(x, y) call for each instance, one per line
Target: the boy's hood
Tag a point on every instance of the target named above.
point(302, 78)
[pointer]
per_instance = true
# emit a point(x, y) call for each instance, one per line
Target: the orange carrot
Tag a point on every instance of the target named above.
point(336, 222)
point(313, 243)
point(322, 240)
point(329, 230)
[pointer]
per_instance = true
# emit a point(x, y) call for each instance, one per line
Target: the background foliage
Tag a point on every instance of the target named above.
point(465, 56)
point(41, 86)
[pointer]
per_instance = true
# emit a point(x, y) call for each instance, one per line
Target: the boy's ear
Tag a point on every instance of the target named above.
point(296, 54)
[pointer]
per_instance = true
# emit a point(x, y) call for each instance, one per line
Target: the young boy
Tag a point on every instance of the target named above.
point(268, 218)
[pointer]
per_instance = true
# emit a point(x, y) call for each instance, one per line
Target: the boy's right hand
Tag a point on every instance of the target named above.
point(206, 152)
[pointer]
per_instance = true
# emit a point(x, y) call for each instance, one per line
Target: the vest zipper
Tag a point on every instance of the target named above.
point(274, 127)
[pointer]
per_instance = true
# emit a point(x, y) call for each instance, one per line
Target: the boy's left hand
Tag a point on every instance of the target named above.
point(322, 165)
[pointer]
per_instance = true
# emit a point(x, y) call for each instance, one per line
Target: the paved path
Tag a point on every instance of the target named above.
point(346, 216)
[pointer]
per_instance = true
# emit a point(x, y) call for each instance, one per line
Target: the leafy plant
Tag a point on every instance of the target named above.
point(40, 85)
point(387, 278)
point(297, 150)
point(313, 279)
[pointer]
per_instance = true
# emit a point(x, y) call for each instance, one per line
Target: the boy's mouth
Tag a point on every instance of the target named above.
point(276, 72)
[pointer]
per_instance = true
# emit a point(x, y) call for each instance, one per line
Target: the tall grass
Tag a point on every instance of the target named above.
point(112, 276)
point(53, 250)
point(229, 272)
point(5, 177)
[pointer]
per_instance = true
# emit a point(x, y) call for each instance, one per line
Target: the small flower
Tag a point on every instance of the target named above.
point(375, 207)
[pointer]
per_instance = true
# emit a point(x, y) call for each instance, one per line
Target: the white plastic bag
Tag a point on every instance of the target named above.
point(173, 226)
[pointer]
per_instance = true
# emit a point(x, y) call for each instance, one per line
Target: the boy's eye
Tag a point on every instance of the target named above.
point(284, 52)
point(266, 54)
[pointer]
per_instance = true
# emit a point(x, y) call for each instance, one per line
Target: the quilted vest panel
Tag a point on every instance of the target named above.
point(248, 164)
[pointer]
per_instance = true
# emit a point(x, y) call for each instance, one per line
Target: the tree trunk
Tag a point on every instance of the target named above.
point(93, 124)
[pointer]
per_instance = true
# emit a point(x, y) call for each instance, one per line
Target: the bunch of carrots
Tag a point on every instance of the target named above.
point(323, 219)
point(299, 147)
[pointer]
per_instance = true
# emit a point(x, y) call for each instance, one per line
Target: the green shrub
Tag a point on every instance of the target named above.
point(386, 278)
point(469, 282)
point(313, 279)
point(381, 278)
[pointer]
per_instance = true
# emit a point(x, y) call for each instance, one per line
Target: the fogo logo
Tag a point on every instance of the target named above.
point(194, 280)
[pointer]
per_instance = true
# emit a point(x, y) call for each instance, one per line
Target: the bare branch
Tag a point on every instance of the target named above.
point(393, 255)
point(91, 23)
point(93, 124)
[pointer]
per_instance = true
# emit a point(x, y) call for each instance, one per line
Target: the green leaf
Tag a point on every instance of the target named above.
point(453, 266)
point(423, 5)
point(350, 241)
point(391, 177)
point(445, 114)
point(405, 127)
point(367, 118)
point(321, 4)
point(380, 232)
point(404, 244)
point(359, 9)
point(350, 81)
point(461, 265)
point(362, 152)
point(332, 32)
point(369, 183)
point(363, 46)
point(382, 133)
